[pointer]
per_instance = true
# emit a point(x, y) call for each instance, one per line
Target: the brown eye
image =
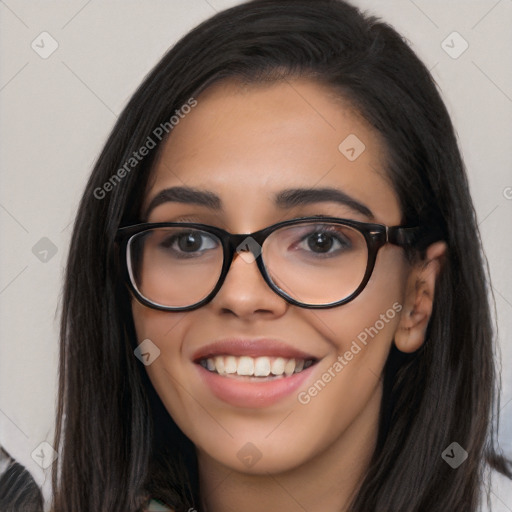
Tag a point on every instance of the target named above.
point(191, 242)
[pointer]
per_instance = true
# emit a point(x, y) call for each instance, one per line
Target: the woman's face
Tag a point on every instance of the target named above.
point(246, 145)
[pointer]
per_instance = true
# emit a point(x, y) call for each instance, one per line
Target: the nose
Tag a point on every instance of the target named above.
point(245, 292)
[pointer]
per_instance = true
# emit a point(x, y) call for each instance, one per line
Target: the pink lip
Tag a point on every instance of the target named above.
point(252, 394)
point(250, 347)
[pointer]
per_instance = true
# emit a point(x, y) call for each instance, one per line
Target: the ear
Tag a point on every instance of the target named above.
point(419, 299)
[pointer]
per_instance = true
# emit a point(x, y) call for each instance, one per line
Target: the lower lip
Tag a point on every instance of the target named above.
point(252, 394)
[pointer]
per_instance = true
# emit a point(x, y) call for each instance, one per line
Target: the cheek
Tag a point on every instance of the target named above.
point(364, 321)
point(165, 332)
point(375, 312)
point(360, 335)
point(169, 372)
point(158, 326)
point(362, 331)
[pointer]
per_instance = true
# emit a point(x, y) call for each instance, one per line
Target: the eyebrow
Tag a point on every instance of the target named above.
point(303, 196)
point(187, 195)
point(285, 199)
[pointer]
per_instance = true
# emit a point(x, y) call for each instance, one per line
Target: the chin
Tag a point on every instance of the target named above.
point(253, 459)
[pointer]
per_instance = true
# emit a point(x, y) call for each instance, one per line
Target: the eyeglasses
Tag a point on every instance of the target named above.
point(312, 262)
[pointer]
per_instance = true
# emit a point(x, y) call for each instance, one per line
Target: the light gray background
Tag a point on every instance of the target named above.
point(57, 112)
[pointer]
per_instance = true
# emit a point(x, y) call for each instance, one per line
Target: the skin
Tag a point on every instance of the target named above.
point(245, 143)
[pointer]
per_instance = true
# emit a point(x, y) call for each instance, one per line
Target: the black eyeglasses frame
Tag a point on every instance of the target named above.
point(376, 236)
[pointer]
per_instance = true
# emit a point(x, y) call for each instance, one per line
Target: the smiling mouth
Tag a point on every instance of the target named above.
point(263, 367)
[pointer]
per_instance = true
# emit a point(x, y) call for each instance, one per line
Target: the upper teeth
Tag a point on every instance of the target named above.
point(255, 366)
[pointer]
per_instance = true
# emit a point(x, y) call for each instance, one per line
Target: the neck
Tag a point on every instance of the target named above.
point(325, 483)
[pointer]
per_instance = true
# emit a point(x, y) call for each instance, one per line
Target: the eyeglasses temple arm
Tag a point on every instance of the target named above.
point(403, 236)
point(412, 236)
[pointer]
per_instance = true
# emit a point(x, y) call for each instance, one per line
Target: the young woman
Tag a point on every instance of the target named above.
point(275, 297)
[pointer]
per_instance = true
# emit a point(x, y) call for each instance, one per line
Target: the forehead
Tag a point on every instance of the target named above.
point(247, 142)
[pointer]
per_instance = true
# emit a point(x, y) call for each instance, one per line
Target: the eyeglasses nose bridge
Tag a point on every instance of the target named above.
point(240, 245)
point(248, 242)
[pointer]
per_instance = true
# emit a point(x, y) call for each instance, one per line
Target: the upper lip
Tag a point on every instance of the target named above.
point(250, 347)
